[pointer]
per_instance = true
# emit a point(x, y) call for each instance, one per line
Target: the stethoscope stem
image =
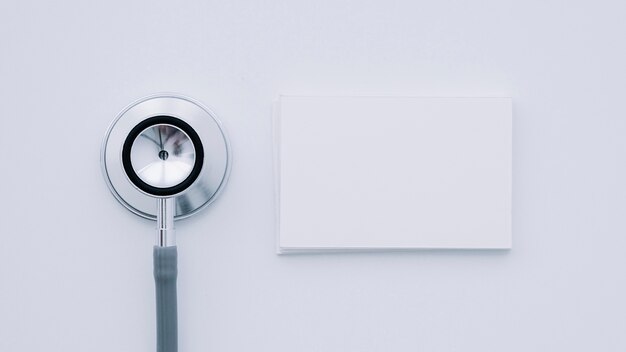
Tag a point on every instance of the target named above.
point(165, 234)
point(165, 273)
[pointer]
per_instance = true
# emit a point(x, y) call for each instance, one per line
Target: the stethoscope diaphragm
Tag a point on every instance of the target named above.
point(191, 164)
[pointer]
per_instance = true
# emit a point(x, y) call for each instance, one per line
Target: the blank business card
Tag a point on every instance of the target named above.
point(367, 173)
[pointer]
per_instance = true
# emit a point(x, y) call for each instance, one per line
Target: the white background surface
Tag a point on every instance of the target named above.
point(75, 266)
point(393, 172)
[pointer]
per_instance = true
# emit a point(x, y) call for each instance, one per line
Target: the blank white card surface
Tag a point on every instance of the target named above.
point(393, 173)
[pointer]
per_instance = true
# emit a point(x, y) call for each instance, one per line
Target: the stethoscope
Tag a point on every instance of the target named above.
point(165, 157)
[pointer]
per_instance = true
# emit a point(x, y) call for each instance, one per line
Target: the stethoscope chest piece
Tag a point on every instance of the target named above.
point(165, 146)
point(165, 157)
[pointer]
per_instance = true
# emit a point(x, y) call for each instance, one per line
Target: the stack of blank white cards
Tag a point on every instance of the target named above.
point(392, 173)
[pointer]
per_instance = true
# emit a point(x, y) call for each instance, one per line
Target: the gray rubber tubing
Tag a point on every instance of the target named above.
point(165, 272)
